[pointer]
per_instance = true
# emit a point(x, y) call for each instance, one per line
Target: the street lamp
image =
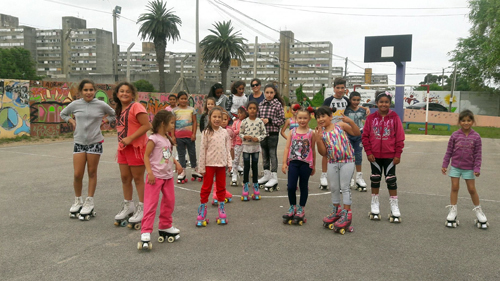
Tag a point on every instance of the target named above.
point(116, 12)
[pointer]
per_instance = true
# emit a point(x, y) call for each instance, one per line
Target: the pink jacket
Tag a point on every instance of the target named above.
point(383, 136)
point(215, 150)
point(236, 129)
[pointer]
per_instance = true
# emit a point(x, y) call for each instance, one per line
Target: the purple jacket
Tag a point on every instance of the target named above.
point(464, 151)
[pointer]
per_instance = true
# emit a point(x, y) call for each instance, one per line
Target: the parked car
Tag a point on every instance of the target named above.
point(372, 104)
point(432, 106)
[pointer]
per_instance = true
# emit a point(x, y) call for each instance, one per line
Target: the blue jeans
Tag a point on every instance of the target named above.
point(357, 145)
point(269, 154)
point(298, 171)
point(182, 144)
point(246, 166)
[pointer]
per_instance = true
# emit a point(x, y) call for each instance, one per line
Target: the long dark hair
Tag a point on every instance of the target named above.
point(82, 84)
point(118, 108)
point(276, 93)
point(213, 88)
point(324, 110)
point(210, 129)
point(236, 85)
point(162, 117)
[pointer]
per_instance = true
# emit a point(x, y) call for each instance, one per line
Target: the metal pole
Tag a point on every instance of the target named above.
point(345, 68)
point(255, 48)
point(400, 91)
point(453, 86)
point(115, 48)
point(128, 61)
point(198, 64)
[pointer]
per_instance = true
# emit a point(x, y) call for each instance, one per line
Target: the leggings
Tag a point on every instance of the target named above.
point(269, 154)
point(182, 144)
point(339, 177)
point(298, 171)
point(387, 167)
point(255, 166)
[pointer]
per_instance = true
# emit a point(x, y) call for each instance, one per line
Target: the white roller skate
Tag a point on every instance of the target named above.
point(74, 211)
point(374, 214)
point(169, 234)
point(272, 184)
point(360, 182)
point(240, 170)
point(181, 178)
point(88, 209)
point(323, 182)
point(135, 221)
point(395, 215)
point(481, 221)
point(196, 176)
point(128, 208)
point(264, 179)
point(234, 179)
point(451, 219)
point(145, 242)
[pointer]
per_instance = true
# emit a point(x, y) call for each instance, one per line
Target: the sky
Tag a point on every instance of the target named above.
point(435, 26)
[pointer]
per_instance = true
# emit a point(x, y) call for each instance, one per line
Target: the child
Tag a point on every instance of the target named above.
point(236, 99)
point(132, 125)
point(272, 114)
point(217, 92)
point(185, 135)
point(383, 139)
point(464, 150)
point(215, 156)
point(237, 143)
point(88, 115)
point(252, 132)
point(333, 144)
point(209, 104)
point(358, 115)
point(230, 132)
point(158, 160)
point(292, 121)
point(172, 100)
point(299, 159)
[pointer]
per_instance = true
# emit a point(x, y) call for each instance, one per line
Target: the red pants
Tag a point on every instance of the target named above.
point(151, 196)
point(208, 180)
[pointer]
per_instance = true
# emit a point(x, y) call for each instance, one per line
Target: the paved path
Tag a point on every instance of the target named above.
point(40, 242)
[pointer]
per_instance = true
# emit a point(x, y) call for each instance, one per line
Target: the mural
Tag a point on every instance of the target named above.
point(14, 108)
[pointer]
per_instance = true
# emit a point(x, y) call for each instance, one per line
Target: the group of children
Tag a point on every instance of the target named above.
point(236, 126)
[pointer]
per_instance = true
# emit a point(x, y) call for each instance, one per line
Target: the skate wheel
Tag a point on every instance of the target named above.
point(139, 245)
point(204, 223)
point(330, 226)
point(170, 239)
point(342, 231)
point(278, 188)
point(391, 219)
point(226, 200)
point(137, 226)
point(87, 217)
point(218, 221)
point(116, 223)
point(150, 245)
point(199, 179)
point(161, 239)
point(242, 198)
point(270, 190)
point(300, 222)
point(351, 229)
point(130, 225)
point(305, 220)
point(123, 223)
point(290, 222)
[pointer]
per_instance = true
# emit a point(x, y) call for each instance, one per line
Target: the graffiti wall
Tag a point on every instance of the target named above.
point(14, 108)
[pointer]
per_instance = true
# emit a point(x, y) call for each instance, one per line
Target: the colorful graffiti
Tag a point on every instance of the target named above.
point(14, 108)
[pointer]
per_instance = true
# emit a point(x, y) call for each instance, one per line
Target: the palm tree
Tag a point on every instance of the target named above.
point(159, 25)
point(222, 46)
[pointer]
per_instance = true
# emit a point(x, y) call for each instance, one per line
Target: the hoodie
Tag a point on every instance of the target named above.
point(464, 151)
point(383, 136)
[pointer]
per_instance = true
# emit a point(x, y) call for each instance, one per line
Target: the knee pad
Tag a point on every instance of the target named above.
point(375, 178)
point(391, 182)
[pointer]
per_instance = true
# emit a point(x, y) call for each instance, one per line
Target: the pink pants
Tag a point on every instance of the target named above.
point(151, 196)
point(208, 180)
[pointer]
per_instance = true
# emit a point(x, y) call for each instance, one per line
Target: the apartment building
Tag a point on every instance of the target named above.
point(14, 35)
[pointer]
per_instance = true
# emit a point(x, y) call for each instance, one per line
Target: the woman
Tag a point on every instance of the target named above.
point(257, 94)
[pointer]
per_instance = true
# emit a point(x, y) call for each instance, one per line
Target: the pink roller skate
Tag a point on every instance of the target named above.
point(244, 194)
point(256, 195)
point(288, 217)
point(222, 214)
point(329, 220)
point(299, 216)
point(202, 214)
point(344, 223)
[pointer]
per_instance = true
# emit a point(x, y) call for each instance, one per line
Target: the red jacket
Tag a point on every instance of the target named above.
point(383, 136)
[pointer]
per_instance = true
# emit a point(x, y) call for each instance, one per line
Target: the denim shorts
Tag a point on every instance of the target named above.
point(466, 174)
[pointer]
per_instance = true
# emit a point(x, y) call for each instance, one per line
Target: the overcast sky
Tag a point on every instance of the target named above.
point(435, 25)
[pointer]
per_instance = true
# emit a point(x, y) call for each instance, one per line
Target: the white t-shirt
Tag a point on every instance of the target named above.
point(237, 102)
point(340, 105)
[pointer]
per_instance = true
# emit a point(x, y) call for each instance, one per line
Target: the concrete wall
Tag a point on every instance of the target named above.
point(451, 118)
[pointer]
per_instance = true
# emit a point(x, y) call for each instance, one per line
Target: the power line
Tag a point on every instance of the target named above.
point(85, 8)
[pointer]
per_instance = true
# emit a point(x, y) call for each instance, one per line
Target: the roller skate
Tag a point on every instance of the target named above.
point(240, 171)
point(353, 183)
point(299, 216)
point(228, 199)
point(481, 221)
point(170, 234)
point(272, 184)
point(244, 194)
point(135, 221)
point(267, 176)
point(344, 223)
point(195, 176)
point(451, 219)
point(334, 216)
point(88, 210)
point(74, 211)
point(221, 219)
point(360, 183)
point(234, 179)
point(323, 182)
point(395, 215)
point(374, 214)
point(288, 217)
point(215, 202)
point(256, 194)
point(145, 243)
point(181, 178)
point(128, 209)
point(202, 214)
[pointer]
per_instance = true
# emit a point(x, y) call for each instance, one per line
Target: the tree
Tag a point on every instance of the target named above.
point(478, 56)
point(159, 26)
point(144, 86)
point(17, 63)
point(222, 46)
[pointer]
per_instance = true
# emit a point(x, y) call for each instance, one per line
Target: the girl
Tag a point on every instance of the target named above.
point(237, 143)
point(464, 150)
point(358, 115)
point(185, 135)
point(215, 156)
point(132, 125)
point(335, 146)
point(299, 159)
point(236, 99)
point(89, 114)
point(230, 133)
point(217, 92)
point(209, 104)
point(292, 121)
point(158, 160)
point(252, 132)
point(272, 114)
point(257, 95)
point(383, 140)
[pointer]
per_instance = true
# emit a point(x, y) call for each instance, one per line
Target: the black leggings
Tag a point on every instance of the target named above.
point(298, 171)
point(387, 166)
point(246, 166)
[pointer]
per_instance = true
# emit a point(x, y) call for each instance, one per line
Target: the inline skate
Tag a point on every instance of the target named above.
point(244, 194)
point(481, 220)
point(334, 216)
point(374, 214)
point(170, 235)
point(256, 194)
point(288, 217)
point(395, 215)
point(145, 243)
point(135, 221)
point(221, 219)
point(88, 210)
point(202, 219)
point(451, 219)
point(344, 223)
point(128, 209)
point(74, 211)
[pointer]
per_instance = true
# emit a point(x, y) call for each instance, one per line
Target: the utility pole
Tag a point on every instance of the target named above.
point(255, 58)
point(116, 11)
point(286, 37)
point(197, 89)
point(453, 86)
point(128, 61)
point(345, 67)
point(442, 79)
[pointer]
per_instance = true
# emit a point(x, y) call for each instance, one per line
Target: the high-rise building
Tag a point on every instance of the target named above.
point(14, 35)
